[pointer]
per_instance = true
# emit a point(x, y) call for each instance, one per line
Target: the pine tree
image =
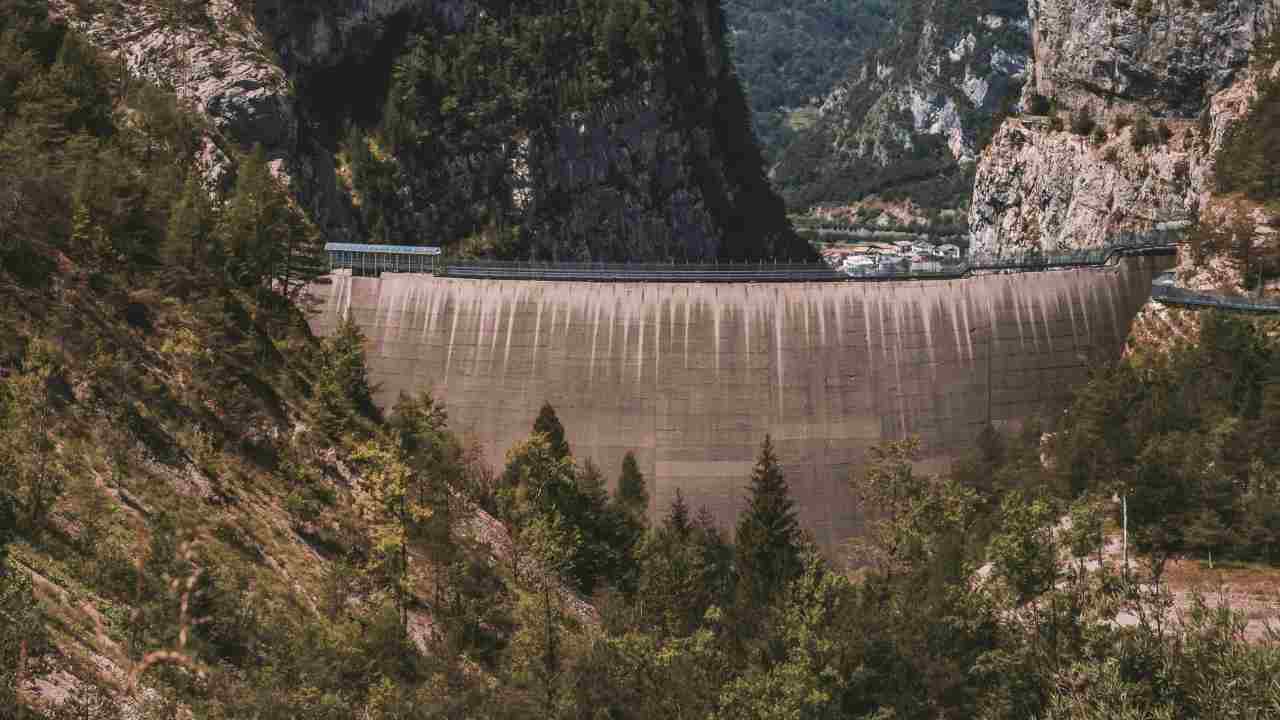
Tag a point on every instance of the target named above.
point(677, 520)
point(591, 484)
point(86, 233)
point(768, 536)
point(419, 426)
point(632, 494)
point(303, 259)
point(391, 507)
point(191, 225)
point(342, 384)
point(256, 223)
point(548, 424)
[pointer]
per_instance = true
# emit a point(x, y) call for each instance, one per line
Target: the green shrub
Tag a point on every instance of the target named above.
point(1038, 104)
point(1099, 136)
point(1143, 134)
point(1082, 122)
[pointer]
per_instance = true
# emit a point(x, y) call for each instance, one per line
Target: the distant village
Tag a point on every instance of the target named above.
point(867, 257)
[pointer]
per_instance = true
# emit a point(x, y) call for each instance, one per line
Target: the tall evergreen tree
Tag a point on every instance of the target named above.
point(266, 237)
point(678, 520)
point(342, 383)
point(768, 539)
point(191, 223)
point(591, 484)
point(632, 494)
point(245, 223)
point(548, 424)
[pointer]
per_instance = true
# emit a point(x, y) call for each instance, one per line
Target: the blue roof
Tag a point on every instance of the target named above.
point(394, 249)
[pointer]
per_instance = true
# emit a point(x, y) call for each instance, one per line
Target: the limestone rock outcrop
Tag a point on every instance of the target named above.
point(311, 35)
point(1171, 57)
point(1040, 189)
point(1039, 185)
point(226, 65)
point(919, 109)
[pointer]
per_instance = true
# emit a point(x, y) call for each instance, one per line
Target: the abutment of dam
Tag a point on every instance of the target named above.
point(692, 376)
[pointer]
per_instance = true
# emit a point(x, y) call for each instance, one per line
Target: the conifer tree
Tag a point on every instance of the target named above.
point(85, 232)
point(419, 426)
point(393, 512)
point(548, 424)
point(191, 225)
point(677, 520)
point(768, 539)
point(256, 223)
point(342, 384)
point(632, 494)
point(591, 484)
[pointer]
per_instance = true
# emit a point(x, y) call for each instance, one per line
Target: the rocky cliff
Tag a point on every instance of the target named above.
point(911, 119)
point(1139, 99)
point(655, 169)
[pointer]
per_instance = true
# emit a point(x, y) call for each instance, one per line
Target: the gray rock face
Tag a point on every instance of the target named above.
point(1037, 187)
point(1171, 58)
point(310, 34)
point(916, 108)
point(219, 67)
point(242, 72)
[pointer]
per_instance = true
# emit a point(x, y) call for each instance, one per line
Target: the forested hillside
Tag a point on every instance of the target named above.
point(789, 55)
point(582, 130)
point(589, 131)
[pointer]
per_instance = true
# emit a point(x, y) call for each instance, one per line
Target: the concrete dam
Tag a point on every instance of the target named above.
point(690, 376)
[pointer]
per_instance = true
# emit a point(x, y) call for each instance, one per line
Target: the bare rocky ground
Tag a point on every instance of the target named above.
point(1252, 590)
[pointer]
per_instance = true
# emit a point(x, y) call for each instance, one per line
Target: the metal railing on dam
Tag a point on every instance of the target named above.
point(1169, 294)
point(1151, 243)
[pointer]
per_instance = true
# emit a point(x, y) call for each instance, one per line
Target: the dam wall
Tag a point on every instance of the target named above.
point(691, 376)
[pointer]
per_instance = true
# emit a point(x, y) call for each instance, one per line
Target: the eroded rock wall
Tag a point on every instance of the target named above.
point(242, 72)
point(1187, 65)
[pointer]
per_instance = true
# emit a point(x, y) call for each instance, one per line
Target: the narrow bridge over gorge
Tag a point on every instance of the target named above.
point(691, 375)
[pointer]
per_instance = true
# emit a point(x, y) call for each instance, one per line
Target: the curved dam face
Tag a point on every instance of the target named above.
point(691, 376)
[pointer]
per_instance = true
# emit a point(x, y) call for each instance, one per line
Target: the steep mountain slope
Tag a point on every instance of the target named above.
point(909, 122)
point(197, 497)
point(1142, 98)
point(790, 54)
point(588, 131)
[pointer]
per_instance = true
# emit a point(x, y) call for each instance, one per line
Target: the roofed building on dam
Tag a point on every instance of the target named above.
point(691, 376)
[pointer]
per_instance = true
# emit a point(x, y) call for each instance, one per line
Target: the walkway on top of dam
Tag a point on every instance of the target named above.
point(1163, 290)
point(381, 258)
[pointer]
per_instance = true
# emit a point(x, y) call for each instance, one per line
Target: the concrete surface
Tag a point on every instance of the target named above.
point(692, 376)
